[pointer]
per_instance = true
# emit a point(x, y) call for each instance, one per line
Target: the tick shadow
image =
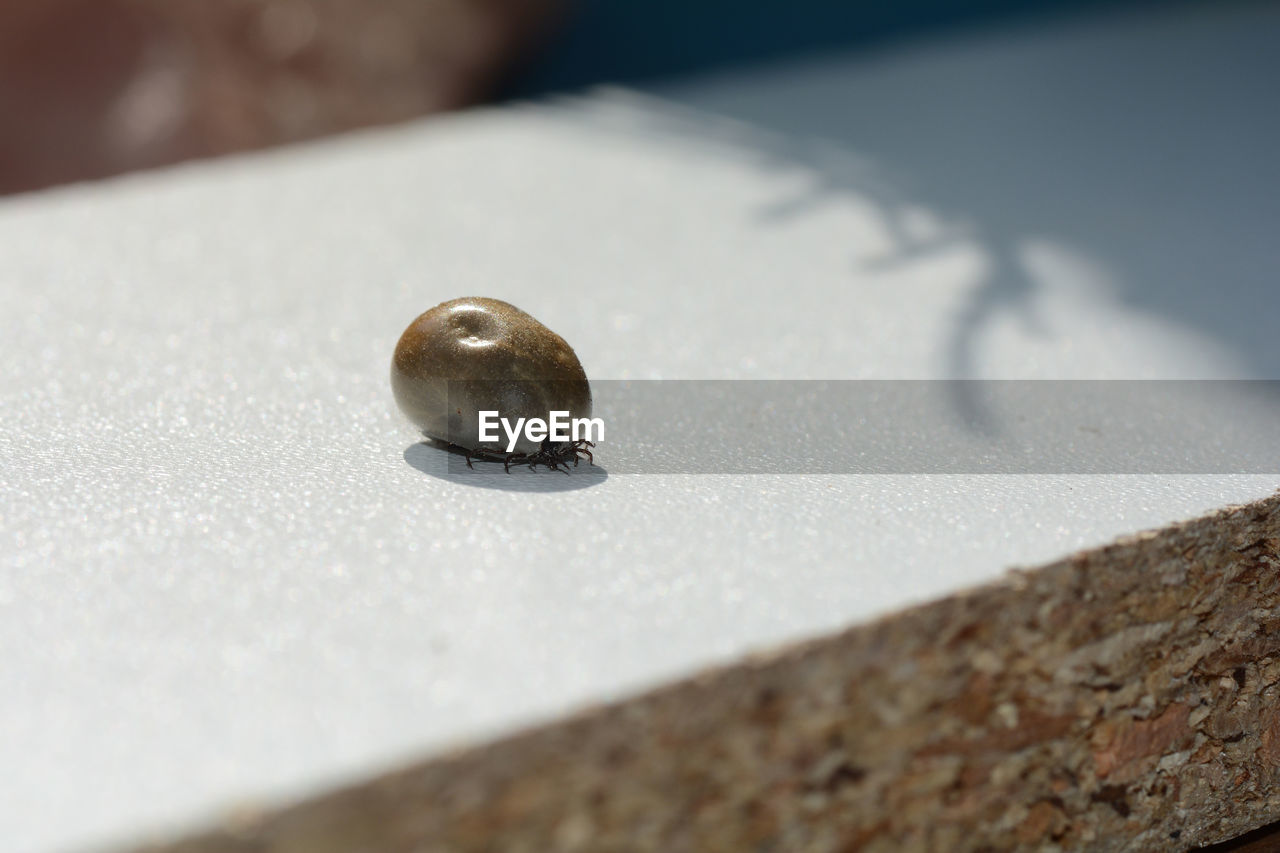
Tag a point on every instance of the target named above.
point(439, 460)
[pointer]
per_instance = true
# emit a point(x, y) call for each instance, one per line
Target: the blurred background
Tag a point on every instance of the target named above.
point(91, 88)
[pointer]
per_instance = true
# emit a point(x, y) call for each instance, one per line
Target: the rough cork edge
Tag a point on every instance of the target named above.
point(1124, 698)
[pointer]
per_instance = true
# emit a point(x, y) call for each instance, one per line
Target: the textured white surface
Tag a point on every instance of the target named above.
point(220, 577)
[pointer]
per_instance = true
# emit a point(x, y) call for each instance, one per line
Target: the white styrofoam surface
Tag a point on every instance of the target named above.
point(220, 577)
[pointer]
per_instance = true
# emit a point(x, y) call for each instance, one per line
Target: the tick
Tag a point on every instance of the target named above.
point(474, 355)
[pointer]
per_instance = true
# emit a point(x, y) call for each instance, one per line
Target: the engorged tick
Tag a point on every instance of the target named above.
point(475, 354)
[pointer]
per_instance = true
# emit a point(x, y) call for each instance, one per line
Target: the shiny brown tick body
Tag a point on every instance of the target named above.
point(475, 354)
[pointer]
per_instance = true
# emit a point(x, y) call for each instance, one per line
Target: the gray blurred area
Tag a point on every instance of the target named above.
point(1204, 427)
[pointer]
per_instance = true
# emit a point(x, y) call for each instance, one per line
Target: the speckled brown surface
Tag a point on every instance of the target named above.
point(1124, 698)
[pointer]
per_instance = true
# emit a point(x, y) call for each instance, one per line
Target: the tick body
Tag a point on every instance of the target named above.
point(474, 355)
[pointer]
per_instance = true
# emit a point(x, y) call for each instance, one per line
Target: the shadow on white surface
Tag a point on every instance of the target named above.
point(439, 461)
point(1137, 158)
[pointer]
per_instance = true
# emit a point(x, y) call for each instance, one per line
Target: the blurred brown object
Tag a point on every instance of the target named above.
point(90, 88)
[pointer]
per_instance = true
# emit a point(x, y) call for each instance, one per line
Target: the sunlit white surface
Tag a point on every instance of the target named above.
point(220, 577)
